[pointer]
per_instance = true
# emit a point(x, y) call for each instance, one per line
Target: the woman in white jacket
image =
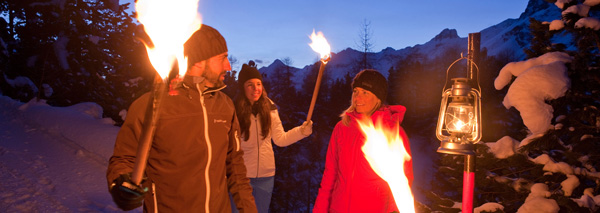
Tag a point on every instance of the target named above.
point(259, 123)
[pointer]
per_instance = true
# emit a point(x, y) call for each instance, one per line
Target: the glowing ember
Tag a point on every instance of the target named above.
point(319, 44)
point(169, 24)
point(385, 152)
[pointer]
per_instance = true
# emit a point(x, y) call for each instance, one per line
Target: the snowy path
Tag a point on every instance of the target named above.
point(41, 170)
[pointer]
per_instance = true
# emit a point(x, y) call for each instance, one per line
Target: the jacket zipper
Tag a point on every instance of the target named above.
point(237, 141)
point(154, 196)
point(257, 146)
point(209, 151)
point(350, 182)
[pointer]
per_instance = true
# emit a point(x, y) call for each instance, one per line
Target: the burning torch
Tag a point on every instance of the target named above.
point(319, 44)
point(169, 24)
point(386, 153)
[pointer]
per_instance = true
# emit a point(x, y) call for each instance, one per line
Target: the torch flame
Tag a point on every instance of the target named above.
point(169, 24)
point(384, 150)
point(319, 44)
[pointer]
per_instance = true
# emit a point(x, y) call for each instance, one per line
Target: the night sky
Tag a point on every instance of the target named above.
point(267, 29)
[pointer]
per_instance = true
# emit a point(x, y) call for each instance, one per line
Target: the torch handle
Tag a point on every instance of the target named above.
point(316, 91)
point(150, 119)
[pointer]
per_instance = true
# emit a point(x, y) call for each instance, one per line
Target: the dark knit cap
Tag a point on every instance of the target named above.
point(373, 81)
point(204, 44)
point(248, 72)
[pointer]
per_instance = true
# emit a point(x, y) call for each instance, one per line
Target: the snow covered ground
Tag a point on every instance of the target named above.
point(53, 159)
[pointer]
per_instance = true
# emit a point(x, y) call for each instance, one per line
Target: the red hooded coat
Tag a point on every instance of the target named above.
point(349, 183)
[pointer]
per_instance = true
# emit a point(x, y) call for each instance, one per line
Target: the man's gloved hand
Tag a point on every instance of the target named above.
point(306, 128)
point(126, 194)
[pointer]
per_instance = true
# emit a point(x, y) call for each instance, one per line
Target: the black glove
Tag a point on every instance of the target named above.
point(126, 194)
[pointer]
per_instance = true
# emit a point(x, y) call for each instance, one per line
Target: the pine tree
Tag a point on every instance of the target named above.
point(282, 89)
point(232, 85)
point(342, 94)
point(541, 43)
point(365, 45)
point(77, 51)
point(230, 79)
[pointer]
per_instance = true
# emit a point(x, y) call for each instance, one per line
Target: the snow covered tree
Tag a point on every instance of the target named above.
point(540, 43)
point(548, 160)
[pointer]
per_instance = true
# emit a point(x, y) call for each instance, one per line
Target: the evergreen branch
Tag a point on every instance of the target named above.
point(520, 171)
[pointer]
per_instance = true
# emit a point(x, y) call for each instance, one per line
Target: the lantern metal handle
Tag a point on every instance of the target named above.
point(469, 76)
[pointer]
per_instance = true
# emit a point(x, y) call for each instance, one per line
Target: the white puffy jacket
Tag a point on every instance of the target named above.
point(258, 152)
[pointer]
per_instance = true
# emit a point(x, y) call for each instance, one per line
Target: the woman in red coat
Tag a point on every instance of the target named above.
point(349, 183)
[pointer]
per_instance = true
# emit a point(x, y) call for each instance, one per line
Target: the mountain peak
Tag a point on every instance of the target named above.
point(446, 34)
point(277, 63)
point(534, 6)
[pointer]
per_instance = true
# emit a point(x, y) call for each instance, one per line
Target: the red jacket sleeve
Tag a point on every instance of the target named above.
point(329, 175)
point(408, 167)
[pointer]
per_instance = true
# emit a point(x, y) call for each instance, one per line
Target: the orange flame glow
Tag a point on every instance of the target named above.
point(319, 44)
point(169, 24)
point(385, 152)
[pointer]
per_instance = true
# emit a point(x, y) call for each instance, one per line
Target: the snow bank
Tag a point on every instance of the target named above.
point(503, 148)
point(537, 201)
point(538, 79)
point(489, 207)
point(86, 127)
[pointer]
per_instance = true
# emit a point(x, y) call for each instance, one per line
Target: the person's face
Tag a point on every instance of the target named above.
point(215, 69)
point(253, 89)
point(364, 101)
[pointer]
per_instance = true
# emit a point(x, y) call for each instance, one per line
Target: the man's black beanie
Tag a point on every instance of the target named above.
point(373, 81)
point(204, 44)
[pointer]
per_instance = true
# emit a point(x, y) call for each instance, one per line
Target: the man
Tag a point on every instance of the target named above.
point(195, 158)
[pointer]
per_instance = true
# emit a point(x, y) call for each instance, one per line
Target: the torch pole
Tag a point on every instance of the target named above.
point(317, 85)
point(147, 134)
